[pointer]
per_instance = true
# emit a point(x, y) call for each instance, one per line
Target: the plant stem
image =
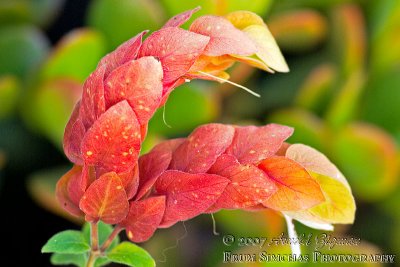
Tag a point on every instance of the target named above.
point(295, 245)
point(110, 238)
point(92, 258)
point(94, 236)
point(94, 252)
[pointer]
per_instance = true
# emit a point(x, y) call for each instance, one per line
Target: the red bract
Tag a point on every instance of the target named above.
point(124, 53)
point(132, 83)
point(69, 192)
point(181, 18)
point(113, 142)
point(202, 148)
point(177, 50)
point(174, 181)
point(153, 164)
point(143, 218)
point(224, 37)
point(74, 133)
point(252, 144)
point(188, 195)
point(248, 185)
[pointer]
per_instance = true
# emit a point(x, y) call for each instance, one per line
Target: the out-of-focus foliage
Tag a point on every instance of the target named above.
point(38, 12)
point(342, 96)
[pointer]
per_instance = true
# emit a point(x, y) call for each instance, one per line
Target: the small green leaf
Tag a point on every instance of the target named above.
point(69, 241)
point(104, 231)
point(102, 261)
point(131, 255)
point(65, 259)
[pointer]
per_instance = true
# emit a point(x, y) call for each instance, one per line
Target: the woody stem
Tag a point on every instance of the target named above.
point(111, 238)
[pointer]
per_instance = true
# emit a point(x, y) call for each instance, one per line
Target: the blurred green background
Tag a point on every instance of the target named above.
point(342, 95)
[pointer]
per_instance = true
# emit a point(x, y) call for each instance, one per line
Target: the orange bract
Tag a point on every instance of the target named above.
point(297, 190)
point(105, 199)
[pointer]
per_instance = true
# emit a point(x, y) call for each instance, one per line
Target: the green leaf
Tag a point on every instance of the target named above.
point(385, 20)
point(309, 128)
point(39, 12)
point(104, 231)
point(367, 156)
point(131, 255)
point(22, 48)
point(381, 101)
point(346, 103)
point(51, 106)
point(317, 89)
point(66, 60)
point(187, 107)
point(9, 92)
point(121, 20)
point(65, 259)
point(349, 38)
point(299, 30)
point(69, 242)
point(216, 7)
point(101, 262)
point(41, 186)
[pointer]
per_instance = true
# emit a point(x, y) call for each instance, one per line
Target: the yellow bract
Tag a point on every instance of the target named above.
point(339, 205)
point(268, 56)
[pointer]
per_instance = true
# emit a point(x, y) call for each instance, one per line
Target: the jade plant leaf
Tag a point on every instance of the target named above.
point(10, 89)
point(367, 156)
point(186, 108)
point(22, 49)
point(310, 129)
point(78, 44)
point(298, 30)
point(129, 17)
